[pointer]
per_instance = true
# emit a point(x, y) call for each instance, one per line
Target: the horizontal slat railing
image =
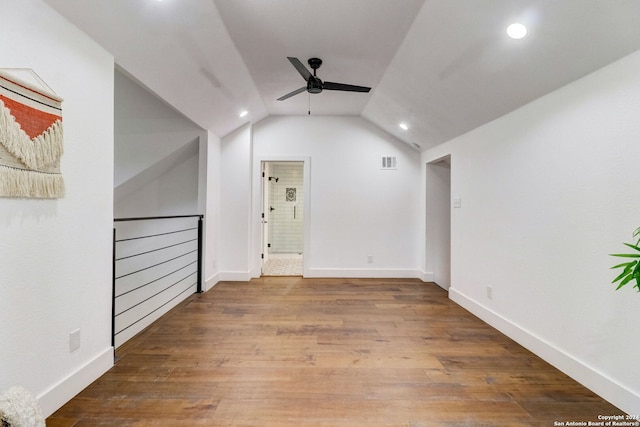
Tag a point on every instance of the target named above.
point(157, 262)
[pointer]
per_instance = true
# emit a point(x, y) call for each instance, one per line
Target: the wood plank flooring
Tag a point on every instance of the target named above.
point(327, 352)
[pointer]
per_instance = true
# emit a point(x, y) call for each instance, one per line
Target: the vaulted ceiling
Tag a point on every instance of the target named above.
point(444, 67)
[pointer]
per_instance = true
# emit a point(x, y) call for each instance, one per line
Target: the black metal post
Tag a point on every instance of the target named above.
point(199, 290)
point(113, 296)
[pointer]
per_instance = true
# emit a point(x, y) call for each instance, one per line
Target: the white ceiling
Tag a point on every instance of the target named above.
point(444, 67)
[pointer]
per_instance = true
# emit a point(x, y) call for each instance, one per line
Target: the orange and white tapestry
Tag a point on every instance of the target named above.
point(31, 140)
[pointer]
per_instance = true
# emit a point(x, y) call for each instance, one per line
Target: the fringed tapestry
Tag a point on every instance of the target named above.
point(31, 142)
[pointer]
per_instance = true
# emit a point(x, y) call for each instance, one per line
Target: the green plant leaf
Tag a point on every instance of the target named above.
point(630, 266)
point(630, 269)
point(627, 270)
point(624, 264)
point(625, 281)
point(627, 255)
point(633, 246)
point(624, 273)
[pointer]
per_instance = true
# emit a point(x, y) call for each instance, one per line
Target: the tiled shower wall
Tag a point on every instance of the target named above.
point(285, 221)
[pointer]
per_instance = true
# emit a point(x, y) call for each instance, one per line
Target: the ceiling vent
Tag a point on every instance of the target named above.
point(389, 162)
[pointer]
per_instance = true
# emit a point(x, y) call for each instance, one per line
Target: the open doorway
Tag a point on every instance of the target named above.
point(438, 221)
point(282, 218)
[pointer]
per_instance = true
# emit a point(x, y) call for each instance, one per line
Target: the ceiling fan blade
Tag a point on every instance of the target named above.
point(290, 94)
point(342, 86)
point(306, 74)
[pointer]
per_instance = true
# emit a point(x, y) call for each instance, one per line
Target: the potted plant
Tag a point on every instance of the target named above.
point(631, 268)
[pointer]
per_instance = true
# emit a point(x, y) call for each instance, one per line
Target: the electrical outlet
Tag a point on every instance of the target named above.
point(74, 340)
point(370, 259)
point(489, 292)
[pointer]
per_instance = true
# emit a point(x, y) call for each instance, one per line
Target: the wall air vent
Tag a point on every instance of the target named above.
point(389, 162)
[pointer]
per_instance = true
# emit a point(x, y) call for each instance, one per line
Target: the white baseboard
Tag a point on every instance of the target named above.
point(211, 282)
point(256, 273)
point(235, 276)
point(426, 276)
point(599, 383)
point(373, 273)
point(55, 397)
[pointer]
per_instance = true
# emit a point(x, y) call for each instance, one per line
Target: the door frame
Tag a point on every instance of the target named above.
point(264, 215)
point(256, 243)
point(438, 221)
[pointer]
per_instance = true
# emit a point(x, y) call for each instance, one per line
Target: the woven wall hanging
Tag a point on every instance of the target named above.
point(31, 142)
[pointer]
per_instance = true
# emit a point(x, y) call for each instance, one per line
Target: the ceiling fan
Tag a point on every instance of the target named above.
point(314, 84)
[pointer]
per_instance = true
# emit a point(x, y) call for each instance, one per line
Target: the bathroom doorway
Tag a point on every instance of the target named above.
point(282, 218)
point(438, 221)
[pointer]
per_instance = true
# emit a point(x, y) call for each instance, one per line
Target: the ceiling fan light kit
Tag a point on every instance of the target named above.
point(314, 83)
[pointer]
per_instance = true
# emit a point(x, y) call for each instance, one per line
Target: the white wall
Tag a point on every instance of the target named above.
point(55, 255)
point(174, 192)
point(147, 129)
point(157, 155)
point(212, 168)
point(356, 209)
point(235, 204)
point(548, 192)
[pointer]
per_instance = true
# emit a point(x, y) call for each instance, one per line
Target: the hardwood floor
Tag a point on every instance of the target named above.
point(327, 352)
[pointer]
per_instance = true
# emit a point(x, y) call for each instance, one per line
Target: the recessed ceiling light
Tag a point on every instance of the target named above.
point(404, 126)
point(243, 113)
point(516, 31)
